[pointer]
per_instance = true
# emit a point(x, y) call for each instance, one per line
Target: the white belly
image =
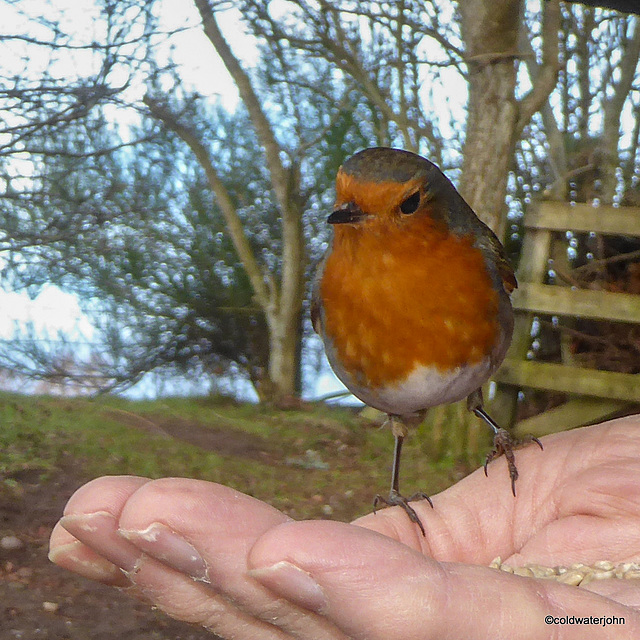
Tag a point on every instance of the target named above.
point(425, 387)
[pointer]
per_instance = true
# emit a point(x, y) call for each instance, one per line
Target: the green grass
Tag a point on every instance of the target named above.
point(43, 436)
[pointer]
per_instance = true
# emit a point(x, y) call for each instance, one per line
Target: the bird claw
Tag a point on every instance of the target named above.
point(395, 499)
point(504, 444)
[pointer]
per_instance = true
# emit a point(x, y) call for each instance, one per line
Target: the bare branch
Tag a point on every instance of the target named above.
point(94, 153)
point(548, 72)
point(93, 46)
point(240, 241)
point(628, 66)
point(279, 175)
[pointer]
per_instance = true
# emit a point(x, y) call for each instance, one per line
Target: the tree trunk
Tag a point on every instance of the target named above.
point(490, 34)
point(283, 360)
point(495, 120)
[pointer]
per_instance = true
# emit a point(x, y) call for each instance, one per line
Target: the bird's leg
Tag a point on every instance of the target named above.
point(399, 430)
point(503, 442)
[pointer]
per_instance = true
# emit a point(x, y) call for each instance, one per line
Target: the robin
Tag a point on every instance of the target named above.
point(412, 298)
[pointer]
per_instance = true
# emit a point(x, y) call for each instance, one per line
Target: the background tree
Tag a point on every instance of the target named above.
point(145, 259)
point(162, 268)
point(583, 147)
point(330, 78)
point(52, 82)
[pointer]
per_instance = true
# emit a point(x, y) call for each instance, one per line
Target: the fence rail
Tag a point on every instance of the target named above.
point(563, 216)
point(582, 303)
point(595, 394)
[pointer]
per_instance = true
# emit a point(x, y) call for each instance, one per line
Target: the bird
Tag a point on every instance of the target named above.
point(412, 299)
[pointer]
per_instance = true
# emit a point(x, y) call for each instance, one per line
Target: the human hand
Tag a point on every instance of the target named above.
point(210, 555)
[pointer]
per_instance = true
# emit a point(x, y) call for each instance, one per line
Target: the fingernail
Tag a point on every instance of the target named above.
point(165, 545)
point(292, 583)
point(98, 531)
point(77, 557)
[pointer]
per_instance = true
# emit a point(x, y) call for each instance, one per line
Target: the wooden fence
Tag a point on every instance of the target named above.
point(594, 394)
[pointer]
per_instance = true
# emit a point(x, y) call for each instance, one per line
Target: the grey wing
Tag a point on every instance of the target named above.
point(492, 248)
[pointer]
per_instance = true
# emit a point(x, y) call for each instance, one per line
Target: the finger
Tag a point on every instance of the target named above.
point(92, 517)
point(107, 495)
point(221, 527)
point(184, 544)
point(370, 586)
point(71, 554)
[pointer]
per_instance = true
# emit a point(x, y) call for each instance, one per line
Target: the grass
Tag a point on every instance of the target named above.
point(318, 461)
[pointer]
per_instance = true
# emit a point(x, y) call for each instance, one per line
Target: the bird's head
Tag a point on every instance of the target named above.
point(385, 188)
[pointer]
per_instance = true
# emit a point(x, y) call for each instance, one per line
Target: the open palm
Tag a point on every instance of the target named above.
point(208, 554)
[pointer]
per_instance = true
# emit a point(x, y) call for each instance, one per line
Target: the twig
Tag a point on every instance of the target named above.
point(597, 263)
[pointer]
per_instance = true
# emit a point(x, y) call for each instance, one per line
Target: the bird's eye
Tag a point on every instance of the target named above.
point(410, 205)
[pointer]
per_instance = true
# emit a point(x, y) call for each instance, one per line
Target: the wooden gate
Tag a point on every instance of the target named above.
point(594, 394)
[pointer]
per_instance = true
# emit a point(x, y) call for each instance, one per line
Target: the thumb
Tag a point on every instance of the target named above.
point(370, 586)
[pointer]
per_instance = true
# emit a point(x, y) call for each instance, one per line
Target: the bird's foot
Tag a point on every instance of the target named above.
point(395, 499)
point(504, 444)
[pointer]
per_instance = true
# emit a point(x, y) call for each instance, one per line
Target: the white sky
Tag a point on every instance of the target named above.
point(53, 310)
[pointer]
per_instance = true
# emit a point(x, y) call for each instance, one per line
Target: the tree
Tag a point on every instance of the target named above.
point(277, 292)
point(584, 147)
point(52, 82)
point(158, 271)
point(333, 77)
point(242, 304)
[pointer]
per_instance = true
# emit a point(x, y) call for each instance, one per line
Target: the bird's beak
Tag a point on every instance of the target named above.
point(349, 213)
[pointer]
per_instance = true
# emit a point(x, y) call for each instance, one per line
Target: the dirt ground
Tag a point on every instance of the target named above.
point(39, 601)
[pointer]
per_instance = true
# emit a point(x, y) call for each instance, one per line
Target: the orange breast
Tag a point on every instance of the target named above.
point(394, 301)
